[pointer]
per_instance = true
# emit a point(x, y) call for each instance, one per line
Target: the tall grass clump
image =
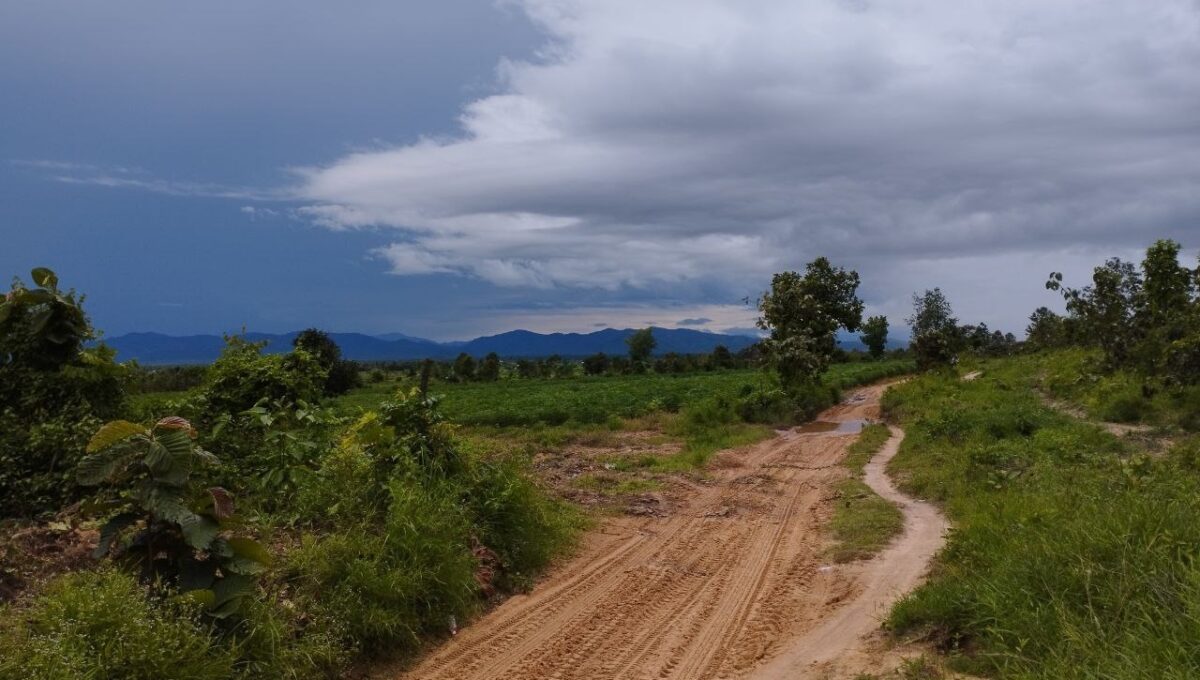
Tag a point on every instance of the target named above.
point(1072, 556)
point(104, 625)
point(406, 529)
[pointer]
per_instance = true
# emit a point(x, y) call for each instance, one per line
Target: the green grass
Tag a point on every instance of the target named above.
point(1076, 376)
point(863, 523)
point(870, 440)
point(1072, 554)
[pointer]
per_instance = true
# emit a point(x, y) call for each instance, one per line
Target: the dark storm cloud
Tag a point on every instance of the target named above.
point(706, 144)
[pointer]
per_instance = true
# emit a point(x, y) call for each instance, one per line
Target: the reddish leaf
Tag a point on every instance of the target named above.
point(222, 502)
point(176, 423)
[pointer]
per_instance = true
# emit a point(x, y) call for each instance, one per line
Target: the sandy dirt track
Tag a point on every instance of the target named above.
point(732, 585)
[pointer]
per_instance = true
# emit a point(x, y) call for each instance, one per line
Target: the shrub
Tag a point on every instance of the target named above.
point(388, 585)
point(103, 625)
point(516, 520)
point(165, 524)
point(243, 376)
point(53, 394)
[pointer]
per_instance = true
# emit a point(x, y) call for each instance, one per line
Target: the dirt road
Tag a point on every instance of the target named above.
point(732, 585)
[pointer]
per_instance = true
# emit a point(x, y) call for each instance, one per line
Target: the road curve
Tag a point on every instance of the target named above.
point(732, 585)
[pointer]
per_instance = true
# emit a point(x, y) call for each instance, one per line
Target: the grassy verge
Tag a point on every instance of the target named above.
point(863, 523)
point(1072, 555)
point(1076, 376)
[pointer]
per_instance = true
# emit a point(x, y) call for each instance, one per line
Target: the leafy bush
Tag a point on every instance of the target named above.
point(53, 394)
point(243, 376)
point(164, 524)
point(103, 625)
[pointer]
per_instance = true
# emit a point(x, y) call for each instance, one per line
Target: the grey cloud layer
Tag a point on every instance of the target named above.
point(706, 142)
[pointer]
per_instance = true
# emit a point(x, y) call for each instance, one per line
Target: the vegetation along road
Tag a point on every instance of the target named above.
point(733, 583)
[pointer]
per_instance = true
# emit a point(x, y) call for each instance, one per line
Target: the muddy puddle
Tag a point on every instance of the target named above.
point(832, 427)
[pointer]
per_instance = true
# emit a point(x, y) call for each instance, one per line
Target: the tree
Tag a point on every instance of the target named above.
point(803, 314)
point(528, 369)
point(641, 346)
point(464, 367)
point(935, 334)
point(720, 357)
point(874, 336)
point(341, 375)
point(596, 364)
point(1165, 314)
point(1105, 310)
point(489, 368)
point(1046, 329)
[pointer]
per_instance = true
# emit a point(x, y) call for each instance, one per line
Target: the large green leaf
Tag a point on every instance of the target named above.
point(199, 531)
point(111, 529)
point(113, 432)
point(176, 441)
point(228, 594)
point(197, 574)
point(98, 467)
point(44, 277)
point(167, 467)
point(249, 556)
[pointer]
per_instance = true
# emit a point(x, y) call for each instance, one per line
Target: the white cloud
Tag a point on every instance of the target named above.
point(707, 143)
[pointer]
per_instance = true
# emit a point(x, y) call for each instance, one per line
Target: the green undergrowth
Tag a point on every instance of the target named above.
point(1077, 377)
point(1072, 555)
point(863, 523)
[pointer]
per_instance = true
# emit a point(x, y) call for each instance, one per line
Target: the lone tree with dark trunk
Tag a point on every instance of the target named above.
point(803, 313)
point(874, 335)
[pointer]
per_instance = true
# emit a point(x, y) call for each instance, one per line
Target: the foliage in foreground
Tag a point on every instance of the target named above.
point(1071, 556)
point(54, 392)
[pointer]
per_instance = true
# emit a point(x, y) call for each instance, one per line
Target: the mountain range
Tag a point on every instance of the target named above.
point(159, 349)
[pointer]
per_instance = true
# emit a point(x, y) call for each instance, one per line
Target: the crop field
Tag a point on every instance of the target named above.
point(594, 400)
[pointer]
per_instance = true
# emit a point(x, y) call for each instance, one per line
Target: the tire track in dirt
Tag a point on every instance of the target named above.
point(726, 587)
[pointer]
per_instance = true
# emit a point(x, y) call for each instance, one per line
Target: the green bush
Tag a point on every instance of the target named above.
point(243, 376)
point(387, 585)
point(103, 625)
point(53, 394)
point(517, 520)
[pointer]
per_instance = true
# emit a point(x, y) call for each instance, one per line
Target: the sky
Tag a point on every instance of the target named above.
point(467, 167)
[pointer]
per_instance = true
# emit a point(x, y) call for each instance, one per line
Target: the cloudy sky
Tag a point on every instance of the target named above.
point(464, 167)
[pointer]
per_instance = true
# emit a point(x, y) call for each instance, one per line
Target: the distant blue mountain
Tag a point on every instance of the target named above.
point(159, 349)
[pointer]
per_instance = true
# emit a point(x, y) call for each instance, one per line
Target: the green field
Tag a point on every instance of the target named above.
point(591, 400)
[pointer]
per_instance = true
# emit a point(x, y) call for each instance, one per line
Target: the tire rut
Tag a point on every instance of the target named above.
point(725, 588)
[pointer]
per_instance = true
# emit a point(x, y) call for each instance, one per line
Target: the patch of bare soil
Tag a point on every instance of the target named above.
point(32, 554)
point(602, 472)
point(730, 584)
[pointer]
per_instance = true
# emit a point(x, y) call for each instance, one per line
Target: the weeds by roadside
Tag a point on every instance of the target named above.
point(863, 523)
point(1072, 554)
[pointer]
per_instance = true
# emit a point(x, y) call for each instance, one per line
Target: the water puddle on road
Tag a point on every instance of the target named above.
point(832, 427)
